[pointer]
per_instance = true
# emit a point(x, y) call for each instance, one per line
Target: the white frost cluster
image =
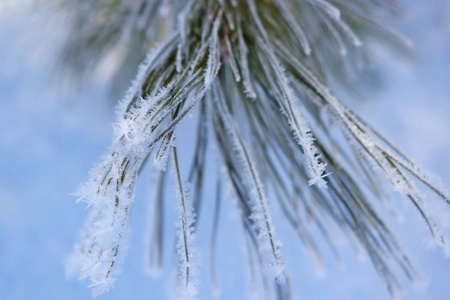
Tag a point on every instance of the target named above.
point(104, 241)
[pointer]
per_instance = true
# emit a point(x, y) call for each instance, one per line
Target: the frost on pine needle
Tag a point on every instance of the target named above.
point(291, 109)
point(268, 243)
point(187, 252)
point(329, 8)
point(109, 192)
point(258, 75)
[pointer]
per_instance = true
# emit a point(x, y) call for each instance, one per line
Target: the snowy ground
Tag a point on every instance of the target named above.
point(49, 140)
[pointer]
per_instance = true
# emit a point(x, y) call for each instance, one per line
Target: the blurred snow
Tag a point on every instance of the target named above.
point(50, 139)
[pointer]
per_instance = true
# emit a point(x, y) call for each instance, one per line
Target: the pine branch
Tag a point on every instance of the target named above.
point(258, 74)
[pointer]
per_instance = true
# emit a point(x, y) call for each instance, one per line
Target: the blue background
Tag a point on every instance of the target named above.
point(50, 138)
